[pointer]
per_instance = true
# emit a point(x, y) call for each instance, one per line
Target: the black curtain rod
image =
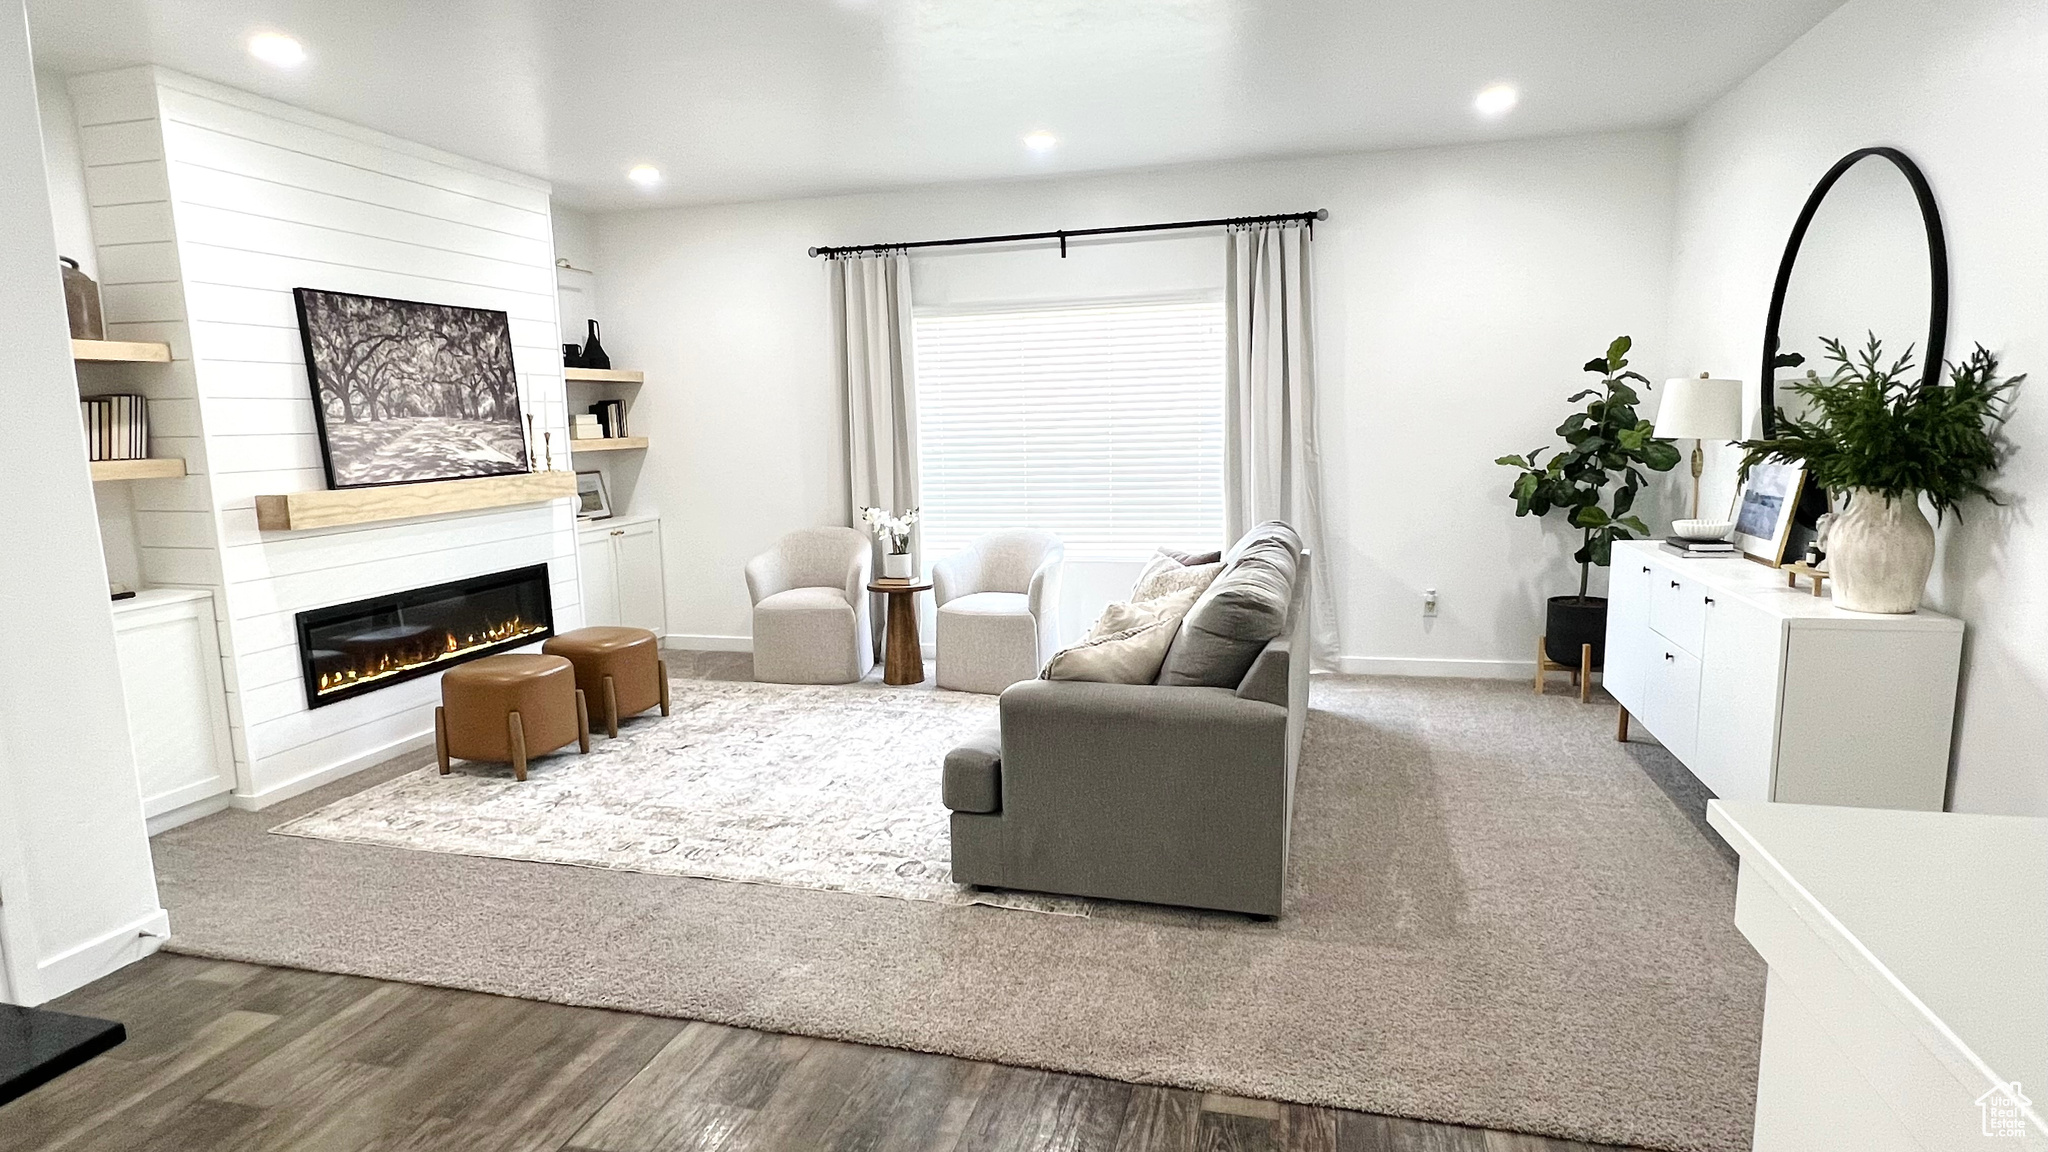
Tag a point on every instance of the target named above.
point(1065, 234)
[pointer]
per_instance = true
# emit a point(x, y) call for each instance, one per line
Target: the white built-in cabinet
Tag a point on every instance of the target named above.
point(1766, 692)
point(177, 711)
point(622, 580)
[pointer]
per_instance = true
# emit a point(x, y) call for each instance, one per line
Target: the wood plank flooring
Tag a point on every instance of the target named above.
point(241, 1058)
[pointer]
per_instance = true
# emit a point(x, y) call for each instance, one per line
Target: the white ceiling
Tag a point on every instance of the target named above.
point(753, 99)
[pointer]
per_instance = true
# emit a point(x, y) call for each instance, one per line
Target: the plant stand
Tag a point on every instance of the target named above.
point(1795, 571)
point(1582, 676)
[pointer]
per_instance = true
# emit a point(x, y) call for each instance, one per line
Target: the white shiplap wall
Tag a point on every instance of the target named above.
point(259, 198)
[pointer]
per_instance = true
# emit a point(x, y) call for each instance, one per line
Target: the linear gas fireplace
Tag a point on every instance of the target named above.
point(350, 649)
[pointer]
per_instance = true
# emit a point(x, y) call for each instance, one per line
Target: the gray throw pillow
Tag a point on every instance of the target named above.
point(1241, 611)
point(1193, 559)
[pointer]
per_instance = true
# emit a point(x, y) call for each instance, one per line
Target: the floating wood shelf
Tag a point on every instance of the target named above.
point(604, 375)
point(152, 469)
point(130, 351)
point(616, 444)
point(298, 511)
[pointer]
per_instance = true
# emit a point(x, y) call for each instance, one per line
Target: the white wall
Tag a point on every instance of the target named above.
point(77, 889)
point(1459, 290)
point(210, 206)
point(1959, 86)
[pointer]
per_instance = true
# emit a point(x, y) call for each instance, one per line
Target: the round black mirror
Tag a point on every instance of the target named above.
point(1870, 258)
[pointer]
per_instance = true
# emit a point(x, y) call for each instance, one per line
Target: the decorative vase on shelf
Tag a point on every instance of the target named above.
point(1880, 552)
point(896, 565)
point(572, 356)
point(594, 355)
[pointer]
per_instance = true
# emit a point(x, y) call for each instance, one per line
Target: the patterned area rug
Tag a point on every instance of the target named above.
point(835, 788)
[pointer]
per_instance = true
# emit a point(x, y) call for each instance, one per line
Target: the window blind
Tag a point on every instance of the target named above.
point(1102, 422)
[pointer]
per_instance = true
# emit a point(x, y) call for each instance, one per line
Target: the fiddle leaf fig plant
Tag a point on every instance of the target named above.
point(1595, 477)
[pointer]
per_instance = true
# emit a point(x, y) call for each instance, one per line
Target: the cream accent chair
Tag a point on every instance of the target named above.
point(810, 596)
point(998, 609)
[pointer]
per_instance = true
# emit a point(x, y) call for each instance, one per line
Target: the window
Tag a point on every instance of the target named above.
point(1101, 422)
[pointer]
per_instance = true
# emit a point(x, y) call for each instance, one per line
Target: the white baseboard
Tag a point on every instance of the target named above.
point(187, 813)
point(276, 793)
point(692, 642)
point(81, 965)
point(1459, 669)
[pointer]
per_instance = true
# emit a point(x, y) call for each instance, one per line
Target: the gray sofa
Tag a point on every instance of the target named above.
point(1166, 793)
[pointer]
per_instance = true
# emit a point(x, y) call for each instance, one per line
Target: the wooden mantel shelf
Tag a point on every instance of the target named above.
point(129, 351)
point(604, 375)
point(298, 511)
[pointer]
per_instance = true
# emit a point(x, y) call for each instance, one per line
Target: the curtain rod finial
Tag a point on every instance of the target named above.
point(814, 251)
point(1322, 213)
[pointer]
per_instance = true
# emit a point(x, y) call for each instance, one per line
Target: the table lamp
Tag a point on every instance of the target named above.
point(1700, 410)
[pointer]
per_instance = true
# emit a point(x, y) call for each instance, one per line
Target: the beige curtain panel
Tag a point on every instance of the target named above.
point(871, 333)
point(1272, 467)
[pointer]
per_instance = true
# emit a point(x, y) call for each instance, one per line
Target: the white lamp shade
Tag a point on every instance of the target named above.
point(1700, 409)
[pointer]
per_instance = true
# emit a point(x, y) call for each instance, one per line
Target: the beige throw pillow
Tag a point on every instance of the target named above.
point(1127, 644)
point(1164, 574)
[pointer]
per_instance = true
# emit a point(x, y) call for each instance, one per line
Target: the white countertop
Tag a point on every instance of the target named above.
point(1948, 912)
point(1765, 587)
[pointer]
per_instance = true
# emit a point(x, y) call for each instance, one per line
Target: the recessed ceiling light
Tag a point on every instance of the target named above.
point(1040, 141)
point(277, 49)
point(1497, 100)
point(645, 175)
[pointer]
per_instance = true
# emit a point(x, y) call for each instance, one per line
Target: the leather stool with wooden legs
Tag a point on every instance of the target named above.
point(509, 708)
point(620, 669)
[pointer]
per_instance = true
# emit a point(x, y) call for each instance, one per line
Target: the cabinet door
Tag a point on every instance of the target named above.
point(1677, 606)
point(600, 579)
point(643, 602)
point(177, 714)
point(1626, 675)
point(1674, 711)
point(1739, 684)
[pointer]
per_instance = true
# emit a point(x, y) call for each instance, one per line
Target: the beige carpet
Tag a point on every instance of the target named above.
point(1496, 916)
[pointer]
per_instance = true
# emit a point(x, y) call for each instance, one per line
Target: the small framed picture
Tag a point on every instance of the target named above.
point(593, 501)
point(1763, 519)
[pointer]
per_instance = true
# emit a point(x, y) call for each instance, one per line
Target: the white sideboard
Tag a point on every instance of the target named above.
point(622, 573)
point(1906, 1006)
point(1770, 693)
point(177, 711)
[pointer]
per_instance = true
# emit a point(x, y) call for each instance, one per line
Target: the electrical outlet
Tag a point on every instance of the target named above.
point(1429, 601)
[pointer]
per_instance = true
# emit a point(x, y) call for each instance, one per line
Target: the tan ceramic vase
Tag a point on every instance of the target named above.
point(1879, 553)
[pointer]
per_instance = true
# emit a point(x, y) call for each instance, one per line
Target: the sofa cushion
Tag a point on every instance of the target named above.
point(1131, 656)
point(974, 774)
point(1240, 612)
point(1165, 574)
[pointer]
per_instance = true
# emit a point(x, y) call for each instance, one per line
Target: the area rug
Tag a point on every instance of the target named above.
point(827, 787)
point(1494, 916)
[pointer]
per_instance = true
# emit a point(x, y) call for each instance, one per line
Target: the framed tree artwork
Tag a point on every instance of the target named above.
point(407, 392)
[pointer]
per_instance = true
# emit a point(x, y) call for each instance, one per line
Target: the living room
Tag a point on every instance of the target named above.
point(859, 574)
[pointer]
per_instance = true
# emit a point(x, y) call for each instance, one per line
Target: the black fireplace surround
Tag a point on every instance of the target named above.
point(350, 649)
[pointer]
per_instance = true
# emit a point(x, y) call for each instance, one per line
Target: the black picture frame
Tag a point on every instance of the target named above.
point(448, 369)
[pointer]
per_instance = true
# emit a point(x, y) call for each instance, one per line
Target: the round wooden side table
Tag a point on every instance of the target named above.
point(902, 655)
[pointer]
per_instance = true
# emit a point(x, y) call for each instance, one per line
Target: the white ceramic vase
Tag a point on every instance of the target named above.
point(1879, 553)
point(896, 565)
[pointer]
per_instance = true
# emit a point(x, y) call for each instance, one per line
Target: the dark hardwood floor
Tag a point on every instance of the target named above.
point(239, 1058)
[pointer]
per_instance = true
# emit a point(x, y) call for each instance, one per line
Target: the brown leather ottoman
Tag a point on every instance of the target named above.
point(620, 668)
point(509, 707)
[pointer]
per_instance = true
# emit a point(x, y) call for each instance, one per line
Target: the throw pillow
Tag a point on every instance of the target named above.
point(1193, 559)
point(1128, 657)
point(1124, 615)
point(1242, 610)
point(1164, 575)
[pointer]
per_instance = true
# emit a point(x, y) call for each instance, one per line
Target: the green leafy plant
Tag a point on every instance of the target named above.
point(1869, 426)
point(1595, 477)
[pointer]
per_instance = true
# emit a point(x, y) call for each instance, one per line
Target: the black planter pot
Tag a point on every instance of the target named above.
point(1570, 623)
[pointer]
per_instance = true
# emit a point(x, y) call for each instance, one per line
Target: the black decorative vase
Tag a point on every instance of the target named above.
point(572, 356)
point(1570, 623)
point(594, 355)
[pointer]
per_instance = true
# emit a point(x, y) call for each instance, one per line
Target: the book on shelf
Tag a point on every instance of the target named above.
point(611, 416)
point(116, 427)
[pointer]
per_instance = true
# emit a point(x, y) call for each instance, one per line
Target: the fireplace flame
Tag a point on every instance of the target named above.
point(452, 648)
